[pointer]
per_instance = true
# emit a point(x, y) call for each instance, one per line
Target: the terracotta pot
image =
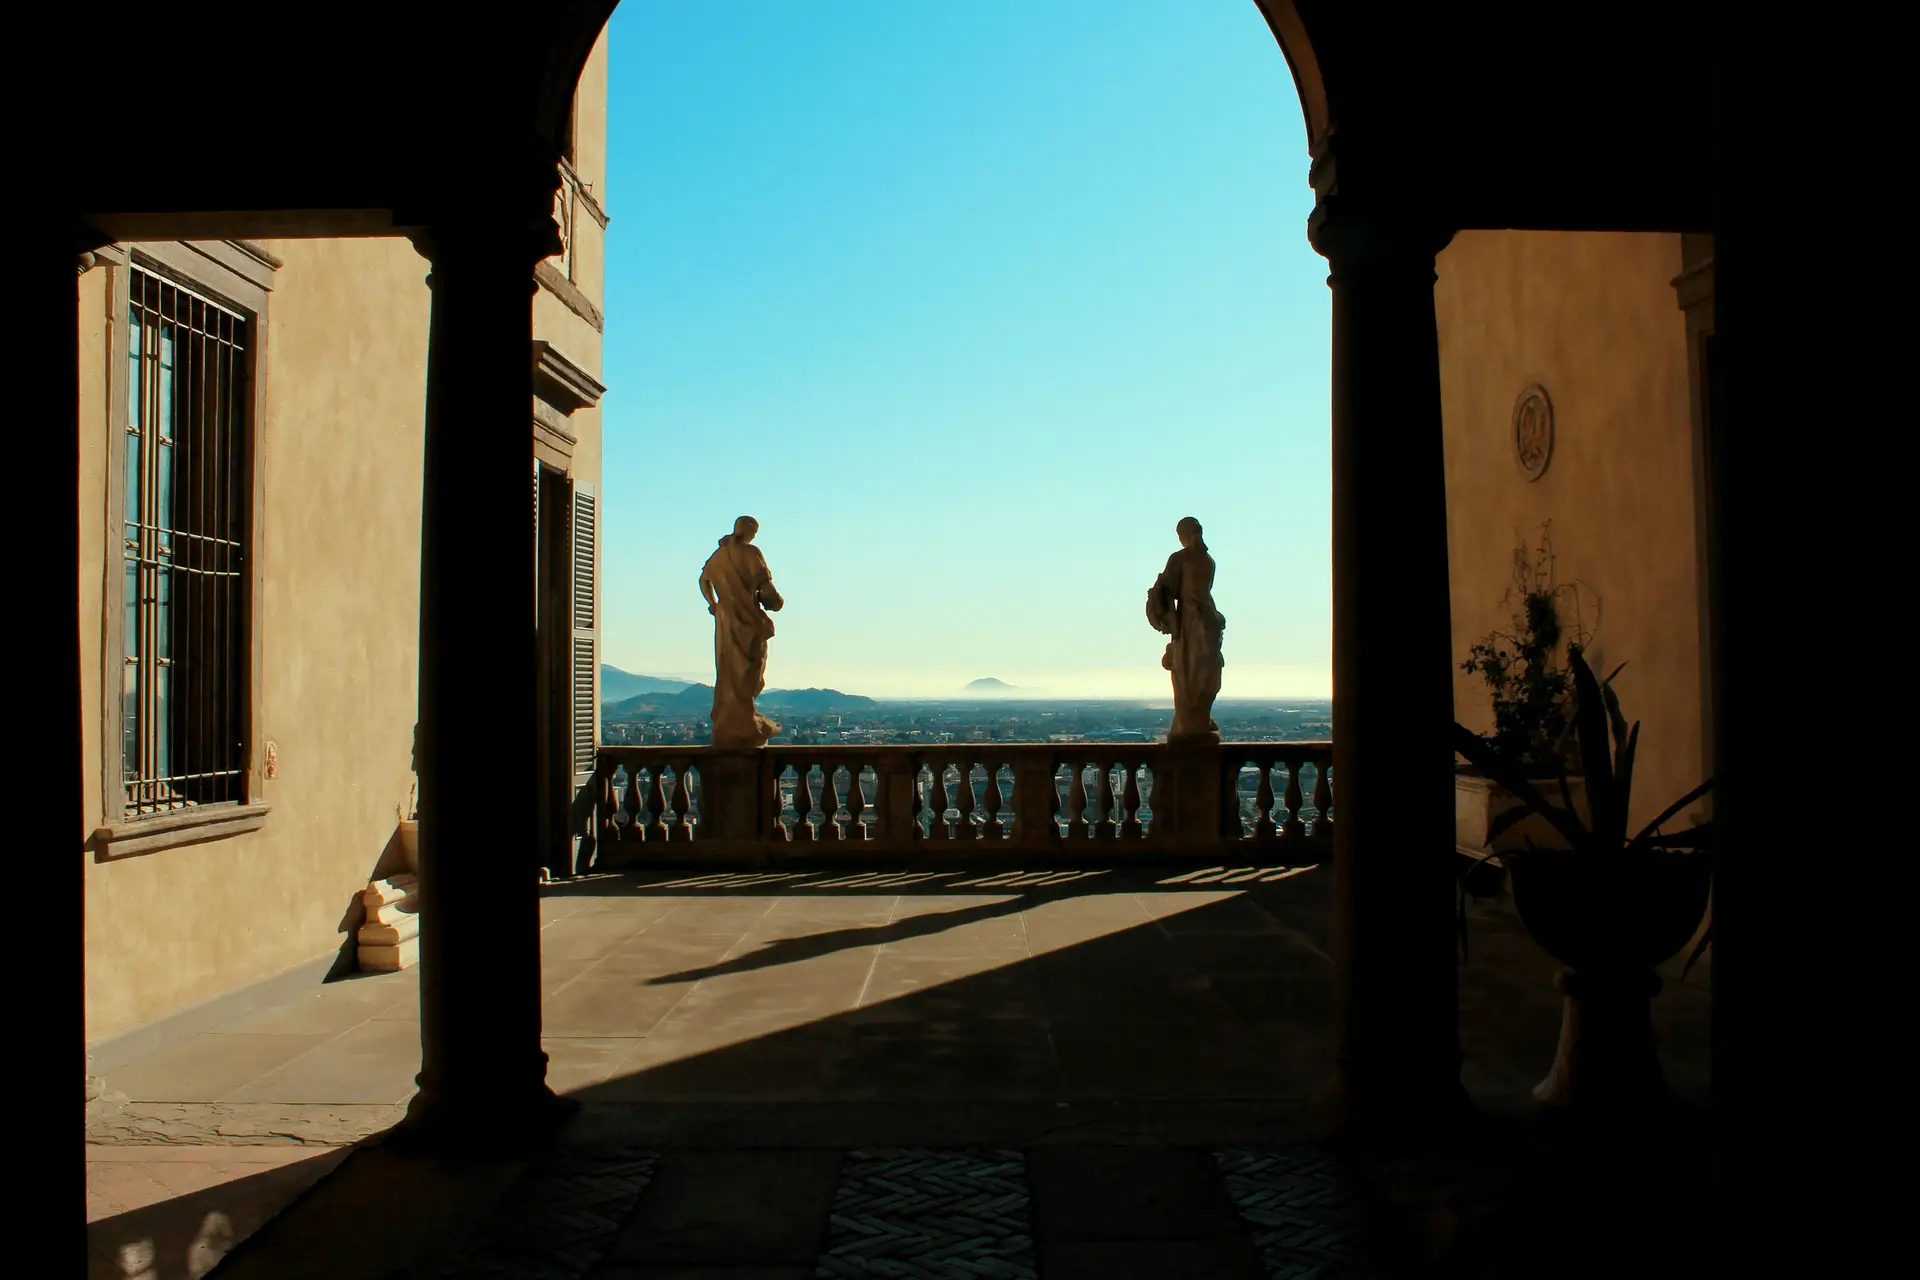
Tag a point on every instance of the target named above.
point(1611, 925)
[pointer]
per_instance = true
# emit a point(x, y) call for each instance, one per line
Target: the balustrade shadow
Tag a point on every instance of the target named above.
point(185, 1236)
point(1109, 991)
point(783, 951)
point(1047, 997)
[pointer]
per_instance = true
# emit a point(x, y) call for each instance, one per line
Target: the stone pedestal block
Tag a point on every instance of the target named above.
point(1186, 797)
point(388, 959)
point(730, 796)
point(390, 938)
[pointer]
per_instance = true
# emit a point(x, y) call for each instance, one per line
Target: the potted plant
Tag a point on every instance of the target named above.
point(1531, 692)
point(1608, 906)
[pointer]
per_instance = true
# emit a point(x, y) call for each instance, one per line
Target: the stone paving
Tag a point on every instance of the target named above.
point(789, 1073)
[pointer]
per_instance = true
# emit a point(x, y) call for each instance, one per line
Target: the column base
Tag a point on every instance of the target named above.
point(489, 1124)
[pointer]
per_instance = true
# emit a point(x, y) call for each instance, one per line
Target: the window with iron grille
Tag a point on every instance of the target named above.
point(184, 712)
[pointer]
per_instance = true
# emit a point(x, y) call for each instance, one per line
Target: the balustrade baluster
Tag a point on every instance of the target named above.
point(1147, 794)
point(1109, 827)
point(1132, 830)
point(1077, 802)
point(633, 803)
point(1295, 828)
point(856, 803)
point(922, 808)
point(661, 802)
point(937, 800)
point(1322, 801)
point(949, 831)
point(1053, 801)
point(1263, 825)
point(803, 803)
point(780, 801)
point(685, 805)
point(965, 806)
point(830, 799)
point(990, 824)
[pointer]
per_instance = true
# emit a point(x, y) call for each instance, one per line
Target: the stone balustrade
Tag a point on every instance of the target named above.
point(666, 803)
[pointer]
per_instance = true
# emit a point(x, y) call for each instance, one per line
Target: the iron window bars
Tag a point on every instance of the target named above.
point(188, 500)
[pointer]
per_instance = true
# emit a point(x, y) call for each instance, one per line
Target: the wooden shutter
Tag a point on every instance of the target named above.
point(586, 672)
point(536, 544)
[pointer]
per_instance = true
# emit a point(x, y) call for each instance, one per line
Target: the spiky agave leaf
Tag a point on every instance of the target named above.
point(1590, 718)
point(1674, 808)
point(1617, 718)
point(1615, 836)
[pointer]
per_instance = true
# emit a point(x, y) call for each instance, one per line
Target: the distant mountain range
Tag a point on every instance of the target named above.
point(617, 685)
point(682, 697)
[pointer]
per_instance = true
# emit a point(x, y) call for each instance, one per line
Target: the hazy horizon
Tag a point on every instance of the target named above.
point(968, 305)
point(1164, 698)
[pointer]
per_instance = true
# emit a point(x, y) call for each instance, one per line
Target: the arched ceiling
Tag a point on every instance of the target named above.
point(1503, 114)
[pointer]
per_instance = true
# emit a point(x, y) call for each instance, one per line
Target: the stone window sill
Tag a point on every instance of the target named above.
point(169, 830)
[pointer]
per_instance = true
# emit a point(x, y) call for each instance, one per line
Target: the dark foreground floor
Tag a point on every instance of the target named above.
point(979, 1076)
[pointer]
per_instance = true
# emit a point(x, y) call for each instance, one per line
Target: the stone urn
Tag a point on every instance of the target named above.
point(1611, 921)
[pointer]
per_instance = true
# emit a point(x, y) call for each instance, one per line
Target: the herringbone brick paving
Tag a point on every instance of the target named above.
point(917, 1214)
point(558, 1219)
point(1308, 1220)
point(930, 1215)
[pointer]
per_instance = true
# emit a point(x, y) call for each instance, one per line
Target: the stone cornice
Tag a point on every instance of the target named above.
point(562, 383)
point(259, 253)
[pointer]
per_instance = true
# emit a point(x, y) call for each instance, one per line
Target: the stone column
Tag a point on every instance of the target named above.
point(482, 1073)
point(1397, 1004)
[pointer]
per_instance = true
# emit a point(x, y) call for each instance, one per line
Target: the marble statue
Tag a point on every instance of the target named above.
point(1181, 605)
point(739, 591)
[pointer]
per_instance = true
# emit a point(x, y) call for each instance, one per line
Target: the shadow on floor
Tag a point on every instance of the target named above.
point(813, 946)
point(1108, 1019)
point(183, 1237)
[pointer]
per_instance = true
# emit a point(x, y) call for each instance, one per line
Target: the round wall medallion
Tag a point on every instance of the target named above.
point(1533, 431)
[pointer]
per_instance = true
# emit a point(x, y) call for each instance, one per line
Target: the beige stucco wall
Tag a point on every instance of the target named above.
point(340, 441)
point(340, 431)
point(1593, 318)
point(552, 319)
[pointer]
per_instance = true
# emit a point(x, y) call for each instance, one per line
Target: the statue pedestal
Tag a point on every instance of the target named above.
point(730, 795)
point(1186, 797)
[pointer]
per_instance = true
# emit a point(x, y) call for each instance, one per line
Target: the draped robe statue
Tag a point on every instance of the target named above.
point(739, 591)
point(1181, 606)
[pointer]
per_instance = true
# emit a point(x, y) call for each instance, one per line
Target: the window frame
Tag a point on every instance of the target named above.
point(240, 276)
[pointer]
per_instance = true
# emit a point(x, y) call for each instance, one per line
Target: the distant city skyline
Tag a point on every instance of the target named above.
point(968, 305)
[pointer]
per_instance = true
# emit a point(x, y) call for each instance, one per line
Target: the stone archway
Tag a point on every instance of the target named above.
point(449, 135)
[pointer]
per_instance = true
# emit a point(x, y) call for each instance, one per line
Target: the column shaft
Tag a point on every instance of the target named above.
point(480, 924)
point(1397, 1009)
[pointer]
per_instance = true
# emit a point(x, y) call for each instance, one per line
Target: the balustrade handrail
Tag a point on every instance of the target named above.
point(882, 798)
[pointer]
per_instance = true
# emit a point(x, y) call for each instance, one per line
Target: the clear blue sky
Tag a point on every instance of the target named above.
point(968, 304)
